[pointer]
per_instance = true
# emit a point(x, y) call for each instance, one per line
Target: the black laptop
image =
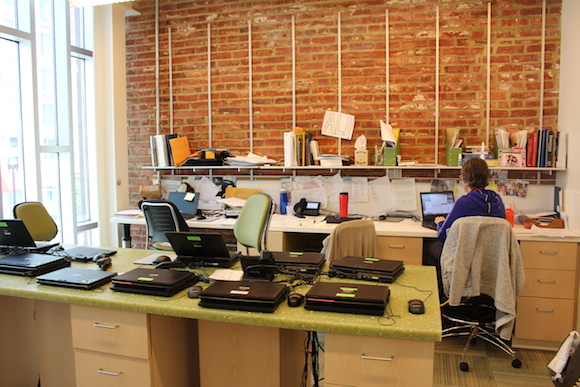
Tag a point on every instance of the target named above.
point(200, 248)
point(434, 204)
point(31, 264)
point(84, 253)
point(76, 278)
point(347, 298)
point(14, 234)
point(244, 295)
point(155, 282)
point(365, 268)
point(186, 203)
point(294, 261)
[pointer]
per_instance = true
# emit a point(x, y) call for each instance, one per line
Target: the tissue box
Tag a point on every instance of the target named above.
point(361, 157)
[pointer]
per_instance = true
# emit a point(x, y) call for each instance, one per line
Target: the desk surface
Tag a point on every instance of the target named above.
point(417, 282)
point(315, 225)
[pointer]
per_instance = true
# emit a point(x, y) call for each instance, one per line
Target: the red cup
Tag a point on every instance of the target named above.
point(509, 215)
point(343, 199)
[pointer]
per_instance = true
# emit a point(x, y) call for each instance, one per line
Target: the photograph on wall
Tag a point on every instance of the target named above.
point(513, 188)
point(512, 158)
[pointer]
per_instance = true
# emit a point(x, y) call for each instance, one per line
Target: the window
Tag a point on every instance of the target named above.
point(43, 94)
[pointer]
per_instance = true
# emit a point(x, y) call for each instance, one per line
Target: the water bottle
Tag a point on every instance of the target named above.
point(343, 199)
point(283, 201)
point(509, 215)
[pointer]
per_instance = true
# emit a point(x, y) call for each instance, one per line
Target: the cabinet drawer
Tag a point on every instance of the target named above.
point(99, 369)
point(549, 255)
point(549, 284)
point(111, 331)
point(406, 249)
point(372, 361)
point(544, 318)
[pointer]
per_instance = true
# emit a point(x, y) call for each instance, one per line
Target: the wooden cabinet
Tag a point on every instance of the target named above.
point(372, 361)
point(122, 348)
point(546, 307)
point(406, 249)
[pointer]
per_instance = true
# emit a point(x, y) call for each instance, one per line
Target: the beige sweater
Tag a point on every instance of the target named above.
point(355, 237)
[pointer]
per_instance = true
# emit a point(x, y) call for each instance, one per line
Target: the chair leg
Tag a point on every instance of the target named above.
point(472, 335)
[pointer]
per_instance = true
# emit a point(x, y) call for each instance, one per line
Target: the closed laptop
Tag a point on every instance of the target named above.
point(76, 278)
point(244, 295)
point(347, 297)
point(307, 262)
point(367, 268)
point(156, 282)
point(31, 264)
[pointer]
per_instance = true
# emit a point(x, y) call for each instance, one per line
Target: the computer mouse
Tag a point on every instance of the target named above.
point(161, 258)
point(200, 217)
point(295, 299)
point(416, 307)
point(194, 291)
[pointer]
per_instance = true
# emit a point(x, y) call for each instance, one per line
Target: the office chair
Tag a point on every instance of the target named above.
point(161, 216)
point(251, 230)
point(355, 237)
point(37, 220)
point(482, 274)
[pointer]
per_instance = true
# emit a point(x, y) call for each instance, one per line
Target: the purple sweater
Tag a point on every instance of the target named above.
point(480, 202)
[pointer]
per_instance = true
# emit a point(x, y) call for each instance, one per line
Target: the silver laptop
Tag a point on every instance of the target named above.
point(434, 204)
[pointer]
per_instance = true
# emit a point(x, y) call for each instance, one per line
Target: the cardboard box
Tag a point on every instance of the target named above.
point(361, 157)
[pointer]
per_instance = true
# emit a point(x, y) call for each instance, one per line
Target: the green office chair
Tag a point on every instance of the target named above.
point(251, 230)
point(37, 220)
point(161, 216)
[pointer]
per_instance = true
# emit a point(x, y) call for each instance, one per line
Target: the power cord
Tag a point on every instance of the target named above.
point(312, 346)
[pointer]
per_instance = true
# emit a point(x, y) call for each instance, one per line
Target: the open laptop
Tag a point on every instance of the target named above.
point(31, 264)
point(199, 248)
point(155, 282)
point(244, 295)
point(76, 278)
point(14, 234)
point(186, 203)
point(434, 204)
point(368, 269)
point(303, 262)
point(346, 297)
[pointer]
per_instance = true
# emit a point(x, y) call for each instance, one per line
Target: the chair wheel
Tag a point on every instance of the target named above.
point(463, 366)
point(516, 363)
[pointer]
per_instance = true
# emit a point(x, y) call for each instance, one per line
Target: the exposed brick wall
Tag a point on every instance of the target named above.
point(515, 71)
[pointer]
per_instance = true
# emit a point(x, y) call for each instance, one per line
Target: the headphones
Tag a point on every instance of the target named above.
point(103, 261)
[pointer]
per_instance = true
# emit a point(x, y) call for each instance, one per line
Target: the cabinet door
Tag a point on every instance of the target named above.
point(101, 369)
point(544, 318)
point(406, 249)
point(372, 361)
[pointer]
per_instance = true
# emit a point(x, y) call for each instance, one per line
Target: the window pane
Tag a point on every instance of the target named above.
point(11, 168)
point(50, 186)
point(77, 37)
point(46, 73)
point(8, 13)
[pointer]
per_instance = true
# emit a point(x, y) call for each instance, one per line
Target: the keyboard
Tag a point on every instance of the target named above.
point(429, 224)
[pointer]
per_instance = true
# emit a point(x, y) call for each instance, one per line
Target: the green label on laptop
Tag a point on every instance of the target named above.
point(3, 224)
point(296, 253)
point(194, 238)
point(348, 289)
point(145, 279)
point(351, 295)
point(371, 259)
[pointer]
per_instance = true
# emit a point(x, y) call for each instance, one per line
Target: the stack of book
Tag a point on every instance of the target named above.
point(546, 148)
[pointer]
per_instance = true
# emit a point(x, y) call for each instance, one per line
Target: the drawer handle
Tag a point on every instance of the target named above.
point(100, 371)
point(105, 326)
point(546, 281)
point(390, 358)
point(548, 252)
point(397, 246)
point(545, 310)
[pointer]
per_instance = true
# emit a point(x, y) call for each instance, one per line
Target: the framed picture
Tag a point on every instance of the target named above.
point(512, 158)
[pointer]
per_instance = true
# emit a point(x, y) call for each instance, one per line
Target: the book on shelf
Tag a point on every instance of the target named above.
point(161, 150)
point(545, 149)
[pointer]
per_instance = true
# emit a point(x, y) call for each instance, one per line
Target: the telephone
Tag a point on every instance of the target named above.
point(304, 208)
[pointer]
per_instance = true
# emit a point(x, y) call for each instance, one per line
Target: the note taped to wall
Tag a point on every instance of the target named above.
point(338, 125)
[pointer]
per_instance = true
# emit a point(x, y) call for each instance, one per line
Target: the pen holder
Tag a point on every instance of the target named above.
point(390, 156)
point(453, 154)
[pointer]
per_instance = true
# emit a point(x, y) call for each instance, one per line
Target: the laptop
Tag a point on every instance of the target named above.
point(199, 248)
point(346, 297)
point(14, 234)
point(84, 253)
point(154, 282)
point(186, 203)
point(434, 204)
point(244, 295)
point(76, 278)
point(303, 262)
point(368, 269)
point(31, 264)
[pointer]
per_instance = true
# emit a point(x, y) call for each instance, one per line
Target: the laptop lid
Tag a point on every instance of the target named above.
point(153, 278)
point(85, 253)
point(434, 204)
point(31, 264)
point(298, 258)
point(368, 264)
point(76, 278)
point(199, 246)
point(348, 293)
point(13, 233)
point(186, 203)
point(245, 291)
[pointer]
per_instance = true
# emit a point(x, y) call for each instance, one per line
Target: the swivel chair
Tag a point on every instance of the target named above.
point(482, 275)
point(251, 231)
point(355, 237)
point(37, 220)
point(161, 216)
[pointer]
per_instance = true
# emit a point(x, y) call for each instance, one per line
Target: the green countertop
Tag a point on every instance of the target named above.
point(415, 282)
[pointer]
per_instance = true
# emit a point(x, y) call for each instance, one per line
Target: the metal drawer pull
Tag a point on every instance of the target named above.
point(363, 356)
point(100, 370)
point(548, 252)
point(397, 246)
point(545, 310)
point(105, 326)
point(546, 281)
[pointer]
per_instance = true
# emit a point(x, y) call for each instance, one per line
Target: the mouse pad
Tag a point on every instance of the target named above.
point(148, 260)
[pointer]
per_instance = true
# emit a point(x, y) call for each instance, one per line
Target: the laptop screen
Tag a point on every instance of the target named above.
point(437, 203)
point(186, 202)
point(13, 233)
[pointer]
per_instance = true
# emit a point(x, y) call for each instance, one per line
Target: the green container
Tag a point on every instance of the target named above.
point(453, 155)
point(390, 156)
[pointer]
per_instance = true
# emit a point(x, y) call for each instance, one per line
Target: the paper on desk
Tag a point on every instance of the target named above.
point(552, 232)
point(207, 189)
point(227, 275)
point(233, 202)
point(129, 213)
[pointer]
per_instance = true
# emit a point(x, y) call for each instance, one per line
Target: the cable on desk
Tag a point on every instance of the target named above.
point(311, 346)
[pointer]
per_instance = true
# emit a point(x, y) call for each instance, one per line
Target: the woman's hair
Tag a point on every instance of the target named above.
point(475, 173)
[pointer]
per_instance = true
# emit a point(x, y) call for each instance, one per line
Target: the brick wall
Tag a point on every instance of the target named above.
point(514, 88)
